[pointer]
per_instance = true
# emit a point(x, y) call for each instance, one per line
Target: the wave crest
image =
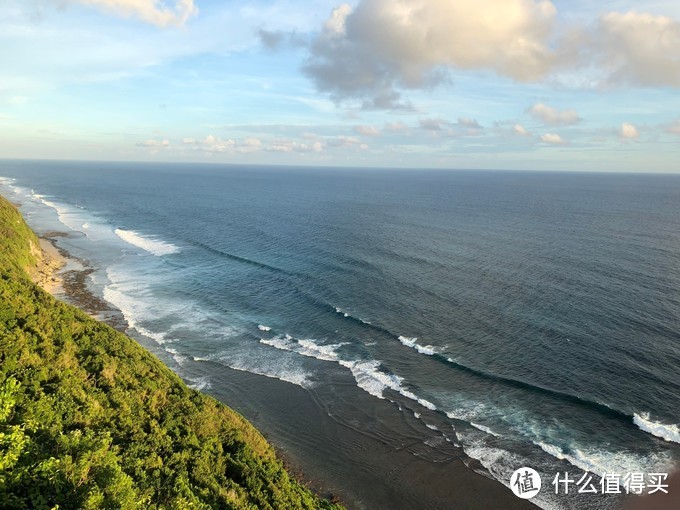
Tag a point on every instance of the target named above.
point(153, 246)
point(664, 431)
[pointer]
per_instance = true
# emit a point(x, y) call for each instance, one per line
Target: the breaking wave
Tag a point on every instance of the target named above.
point(666, 432)
point(153, 246)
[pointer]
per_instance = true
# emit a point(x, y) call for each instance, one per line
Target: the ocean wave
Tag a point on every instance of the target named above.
point(273, 369)
point(485, 429)
point(304, 347)
point(348, 315)
point(369, 375)
point(600, 462)
point(666, 432)
point(199, 383)
point(263, 328)
point(133, 311)
point(66, 214)
point(153, 246)
point(237, 258)
point(422, 349)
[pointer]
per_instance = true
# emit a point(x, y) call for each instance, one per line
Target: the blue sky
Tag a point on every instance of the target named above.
point(516, 84)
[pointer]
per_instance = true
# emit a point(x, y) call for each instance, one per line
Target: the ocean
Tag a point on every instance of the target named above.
point(523, 318)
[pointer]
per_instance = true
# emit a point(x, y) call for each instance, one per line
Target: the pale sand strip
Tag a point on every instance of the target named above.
point(50, 262)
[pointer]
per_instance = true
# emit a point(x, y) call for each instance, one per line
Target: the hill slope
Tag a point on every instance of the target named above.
point(89, 419)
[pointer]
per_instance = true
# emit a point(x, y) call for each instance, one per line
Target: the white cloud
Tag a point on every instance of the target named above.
point(293, 146)
point(375, 50)
point(382, 45)
point(346, 141)
point(469, 123)
point(518, 129)
point(367, 130)
point(155, 144)
point(212, 143)
point(156, 12)
point(553, 117)
point(628, 131)
point(335, 25)
point(552, 139)
point(638, 48)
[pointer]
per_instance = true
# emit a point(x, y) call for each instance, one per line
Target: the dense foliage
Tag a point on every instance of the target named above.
point(89, 419)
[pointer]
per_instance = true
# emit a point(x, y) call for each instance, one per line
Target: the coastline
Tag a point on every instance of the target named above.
point(81, 373)
point(47, 272)
point(411, 481)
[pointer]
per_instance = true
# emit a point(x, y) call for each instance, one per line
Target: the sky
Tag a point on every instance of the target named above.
point(489, 84)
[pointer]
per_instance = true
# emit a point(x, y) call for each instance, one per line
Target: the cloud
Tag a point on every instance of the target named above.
point(165, 144)
point(518, 129)
point(372, 50)
point(638, 49)
point(396, 127)
point(156, 12)
point(628, 131)
point(367, 130)
point(553, 117)
point(293, 146)
point(674, 128)
point(552, 139)
point(277, 39)
point(469, 123)
point(346, 141)
point(212, 143)
point(433, 124)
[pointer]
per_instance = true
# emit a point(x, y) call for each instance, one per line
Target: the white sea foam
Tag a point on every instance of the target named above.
point(263, 328)
point(601, 461)
point(281, 372)
point(307, 348)
point(468, 411)
point(434, 427)
point(199, 383)
point(484, 428)
point(430, 350)
point(367, 373)
point(133, 309)
point(66, 214)
point(153, 246)
point(664, 431)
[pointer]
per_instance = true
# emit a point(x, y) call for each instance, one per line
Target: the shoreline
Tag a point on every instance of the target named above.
point(65, 277)
point(47, 272)
point(410, 480)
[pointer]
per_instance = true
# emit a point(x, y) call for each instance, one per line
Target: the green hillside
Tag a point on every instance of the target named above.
point(89, 419)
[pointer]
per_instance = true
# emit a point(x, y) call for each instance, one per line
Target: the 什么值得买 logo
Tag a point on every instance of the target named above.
point(525, 483)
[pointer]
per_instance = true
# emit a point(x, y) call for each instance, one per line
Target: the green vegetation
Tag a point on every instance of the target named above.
point(89, 419)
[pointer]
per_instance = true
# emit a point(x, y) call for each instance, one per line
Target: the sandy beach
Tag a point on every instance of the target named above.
point(50, 263)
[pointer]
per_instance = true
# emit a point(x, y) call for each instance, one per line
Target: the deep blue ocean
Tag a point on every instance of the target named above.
point(532, 319)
